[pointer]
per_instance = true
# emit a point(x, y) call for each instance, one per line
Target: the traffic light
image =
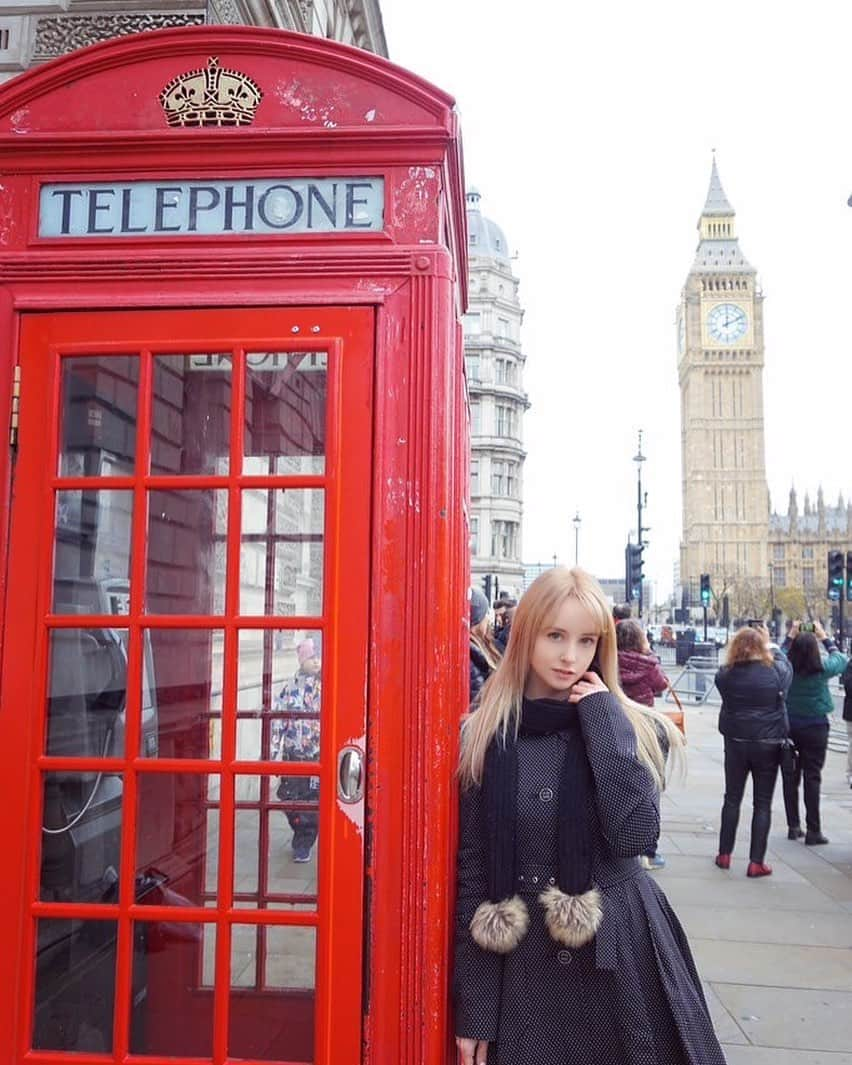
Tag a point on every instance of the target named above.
point(633, 570)
point(835, 575)
point(486, 587)
point(849, 576)
point(705, 589)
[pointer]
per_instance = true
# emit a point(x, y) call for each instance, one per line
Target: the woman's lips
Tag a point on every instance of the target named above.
point(564, 672)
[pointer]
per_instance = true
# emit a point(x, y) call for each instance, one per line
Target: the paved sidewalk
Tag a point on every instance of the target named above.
point(775, 953)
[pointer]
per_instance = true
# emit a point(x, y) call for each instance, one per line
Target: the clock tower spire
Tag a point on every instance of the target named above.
point(720, 371)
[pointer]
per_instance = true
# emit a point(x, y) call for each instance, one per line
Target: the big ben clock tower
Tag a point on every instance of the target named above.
point(720, 371)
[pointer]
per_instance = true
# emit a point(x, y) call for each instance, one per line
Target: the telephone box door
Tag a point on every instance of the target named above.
point(188, 576)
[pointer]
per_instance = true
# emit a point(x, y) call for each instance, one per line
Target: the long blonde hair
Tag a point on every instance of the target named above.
point(502, 695)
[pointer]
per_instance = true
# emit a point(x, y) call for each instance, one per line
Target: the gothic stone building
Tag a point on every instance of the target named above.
point(799, 542)
point(32, 31)
point(754, 557)
point(495, 364)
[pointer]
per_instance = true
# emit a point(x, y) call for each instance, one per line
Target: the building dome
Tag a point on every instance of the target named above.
point(484, 237)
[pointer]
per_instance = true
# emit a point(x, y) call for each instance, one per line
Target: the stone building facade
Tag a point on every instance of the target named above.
point(720, 371)
point(495, 365)
point(33, 31)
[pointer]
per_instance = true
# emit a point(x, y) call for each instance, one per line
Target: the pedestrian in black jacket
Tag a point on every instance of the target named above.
point(484, 653)
point(567, 953)
point(753, 684)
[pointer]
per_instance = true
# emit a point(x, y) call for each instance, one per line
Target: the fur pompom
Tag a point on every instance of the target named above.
point(571, 919)
point(500, 926)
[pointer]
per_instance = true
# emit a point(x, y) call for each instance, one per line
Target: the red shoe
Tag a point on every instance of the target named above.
point(758, 869)
point(723, 861)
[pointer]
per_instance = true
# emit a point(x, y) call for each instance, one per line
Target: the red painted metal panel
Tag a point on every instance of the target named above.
point(94, 116)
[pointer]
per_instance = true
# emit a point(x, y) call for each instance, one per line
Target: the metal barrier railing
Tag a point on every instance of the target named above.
point(694, 683)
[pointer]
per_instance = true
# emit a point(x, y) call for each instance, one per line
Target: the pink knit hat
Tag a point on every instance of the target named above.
point(305, 650)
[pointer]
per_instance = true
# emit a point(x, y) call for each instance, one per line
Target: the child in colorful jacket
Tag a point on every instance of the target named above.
point(296, 738)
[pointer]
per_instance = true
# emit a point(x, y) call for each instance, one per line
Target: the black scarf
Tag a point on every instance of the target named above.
point(539, 717)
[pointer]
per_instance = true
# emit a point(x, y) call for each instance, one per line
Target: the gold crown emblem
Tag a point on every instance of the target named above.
point(210, 97)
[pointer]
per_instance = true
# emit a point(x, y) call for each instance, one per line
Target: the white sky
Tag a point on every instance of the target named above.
point(588, 129)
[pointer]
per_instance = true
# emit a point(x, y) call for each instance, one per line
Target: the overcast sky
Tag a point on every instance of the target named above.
point(588, 129)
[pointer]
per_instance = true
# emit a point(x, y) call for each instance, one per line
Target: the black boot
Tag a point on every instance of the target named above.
point(794, 832)
point(813, 839)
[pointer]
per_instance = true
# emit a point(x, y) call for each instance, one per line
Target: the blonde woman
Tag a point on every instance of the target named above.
point(567, 953)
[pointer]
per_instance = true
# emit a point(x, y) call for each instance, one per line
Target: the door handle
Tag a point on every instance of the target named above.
point(350, 775)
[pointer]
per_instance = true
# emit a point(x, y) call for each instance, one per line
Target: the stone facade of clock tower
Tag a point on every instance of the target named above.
point(720, 371)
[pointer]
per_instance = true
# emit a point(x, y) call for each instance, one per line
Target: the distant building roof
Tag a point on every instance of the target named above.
point(717, 204)
point(484, 237)
point(719, 254)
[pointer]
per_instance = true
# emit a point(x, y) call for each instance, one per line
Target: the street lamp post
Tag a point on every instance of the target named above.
point(577, 520)
point(639, 458)
point(772, 602)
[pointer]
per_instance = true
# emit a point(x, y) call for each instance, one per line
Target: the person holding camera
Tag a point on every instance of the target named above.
point(809, 703)
point(753, 719)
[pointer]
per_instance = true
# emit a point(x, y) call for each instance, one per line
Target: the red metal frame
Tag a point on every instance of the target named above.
point(83, 121)
point(348, 338)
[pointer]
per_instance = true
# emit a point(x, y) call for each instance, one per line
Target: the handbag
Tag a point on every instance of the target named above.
point(789, 758)
point(677, 717)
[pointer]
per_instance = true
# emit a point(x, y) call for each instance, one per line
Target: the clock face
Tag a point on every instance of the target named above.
point(727, 323)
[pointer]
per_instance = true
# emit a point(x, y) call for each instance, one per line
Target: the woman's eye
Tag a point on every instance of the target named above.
point(589, 641)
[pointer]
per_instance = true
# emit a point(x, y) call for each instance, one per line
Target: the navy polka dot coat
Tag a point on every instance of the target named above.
point(630, 997)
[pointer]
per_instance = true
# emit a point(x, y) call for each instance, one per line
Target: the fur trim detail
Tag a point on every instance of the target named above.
point(571, 919)
point(500, 926)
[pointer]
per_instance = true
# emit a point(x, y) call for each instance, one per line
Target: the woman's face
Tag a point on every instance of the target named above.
point(562, 652)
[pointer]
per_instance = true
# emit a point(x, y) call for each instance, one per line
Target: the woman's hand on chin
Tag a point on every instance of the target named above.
point(588, 684)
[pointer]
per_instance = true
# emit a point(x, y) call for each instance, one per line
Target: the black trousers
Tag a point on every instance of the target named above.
point(761, 760)
point(811, 743)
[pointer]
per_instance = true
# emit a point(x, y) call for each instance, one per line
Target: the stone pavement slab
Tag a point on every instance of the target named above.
point(792, 1018)
point(750, 1055)
point(776, 964)
point(730, 924)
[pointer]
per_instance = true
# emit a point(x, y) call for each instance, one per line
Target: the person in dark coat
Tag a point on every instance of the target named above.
point(639, 670)
point(846, 681)
point(484, 653)
point(753, 684)
point(566, 951)
point(641, 680)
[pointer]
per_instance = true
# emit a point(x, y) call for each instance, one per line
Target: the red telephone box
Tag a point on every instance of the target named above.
point(232, 265)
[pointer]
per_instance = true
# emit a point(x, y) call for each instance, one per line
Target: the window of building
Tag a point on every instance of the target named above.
point(778, 552)
point(475, 419)
point(474, 536)
point(807, 552)
point(473, 368)
point(498, 477)
point(780, 576)
point(512, 480)
point(808, 576)
point(474, 477)
point(505, 420)
point(472, 323)
point(504, 539)
point(502, 327)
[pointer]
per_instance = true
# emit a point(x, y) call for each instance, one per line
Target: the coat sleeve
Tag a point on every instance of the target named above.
point(659, 681)
point(625, 793)
point(835, 663)
point(783, 669)
point(477, 973)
